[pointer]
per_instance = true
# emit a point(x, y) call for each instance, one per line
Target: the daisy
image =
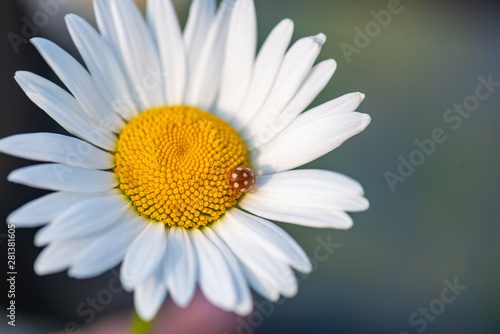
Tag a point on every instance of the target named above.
point(185, 145)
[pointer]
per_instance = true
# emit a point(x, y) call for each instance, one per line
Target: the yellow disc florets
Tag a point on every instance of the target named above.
point(173, 163)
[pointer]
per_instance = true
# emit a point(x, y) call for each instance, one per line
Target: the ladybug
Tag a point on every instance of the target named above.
point(242, 179)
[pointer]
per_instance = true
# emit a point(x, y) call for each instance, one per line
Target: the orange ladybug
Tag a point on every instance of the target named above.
point(242, 179)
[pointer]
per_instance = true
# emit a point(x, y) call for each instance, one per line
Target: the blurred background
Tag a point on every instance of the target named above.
point(430, 227)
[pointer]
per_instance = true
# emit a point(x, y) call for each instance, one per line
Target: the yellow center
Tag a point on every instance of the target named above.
point(173, 163)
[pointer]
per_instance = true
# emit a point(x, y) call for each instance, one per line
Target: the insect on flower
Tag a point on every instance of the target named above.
point(242, 179)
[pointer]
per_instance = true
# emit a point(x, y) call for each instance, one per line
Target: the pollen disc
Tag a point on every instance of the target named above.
point(173, 163)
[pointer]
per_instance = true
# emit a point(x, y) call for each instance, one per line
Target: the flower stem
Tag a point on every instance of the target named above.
point(139, 326)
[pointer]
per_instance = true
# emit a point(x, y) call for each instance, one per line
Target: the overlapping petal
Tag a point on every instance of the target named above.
point(61, 177)
point(206, 73)
point(173, 58)
point(215, 275)
point(43, 209)
point(107, 250)
point(144, 255)
point(80, 84)
point(297, 63)
point(51, 147)
point(103, 66)
point(64, 109)
point(238, 59)
point(149, 295)
point(123, 26)
point(180, 266)
point(83, 219)
point(312, 198)
point(267, 65)
point(311, 135)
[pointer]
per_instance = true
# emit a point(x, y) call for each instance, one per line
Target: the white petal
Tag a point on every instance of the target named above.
point(138, 53)
point(167, 33)
point(345, 103)
point(309, 137)
point(350, 203)
point(103, 66)
point(264, 73)
point(274, 239)
point(314, 198)
point(201, 16)
point(58, 256)
point(107, 250)
point(180, 266)
point(144, 255)
point(80, 84)
point(314, 83)
point(150, 295)
point(51, 147)
point(64, 109)
point(307, 216)
point(254, 256)
point(205, 76)
point(214, 275)
point(64, 178)
point(262, 285)
point(238, 60)
point(107, 26)
point(84, 218)
point(310, 183)
point(46, 208)
point(109, 32)
point(296, 65)
point(244, 297)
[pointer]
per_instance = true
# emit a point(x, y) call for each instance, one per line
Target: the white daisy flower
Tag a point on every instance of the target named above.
point(171, 127)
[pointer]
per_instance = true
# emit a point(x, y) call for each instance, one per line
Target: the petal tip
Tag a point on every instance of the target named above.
point(320, 39)
point(244, 309)
point(366, 120)
point(41, 268)
point(146, 314)
point(11, 219)
point(365, 204)
point(22, 79)
point(332, 64)
point(73, 273)
point(3, 145)
point(306, 267)
point(348, 225)
point(287, 22)
point(40, 240)
point(14, 176)
point(36, 41)
point(20, 73)
point(72, 20)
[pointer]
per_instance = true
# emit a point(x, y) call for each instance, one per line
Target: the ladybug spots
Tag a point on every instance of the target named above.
point(242, 179)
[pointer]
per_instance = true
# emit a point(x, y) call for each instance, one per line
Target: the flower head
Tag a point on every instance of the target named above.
point(185, 145)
